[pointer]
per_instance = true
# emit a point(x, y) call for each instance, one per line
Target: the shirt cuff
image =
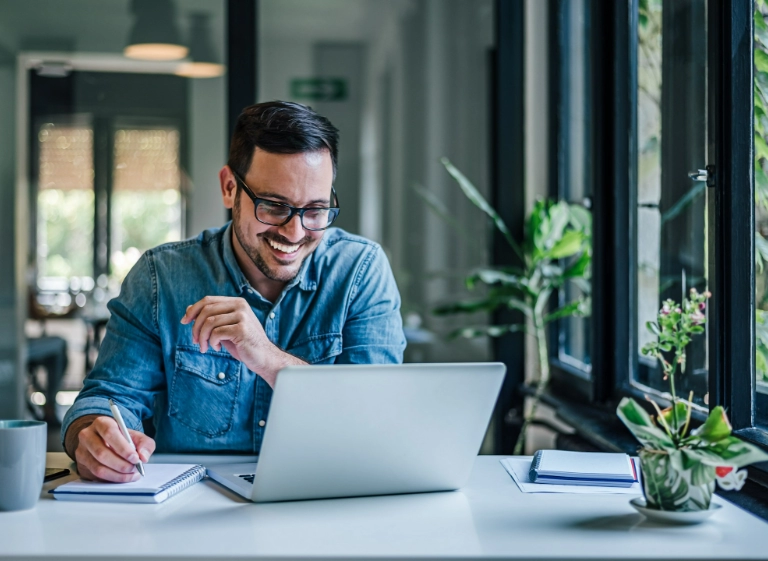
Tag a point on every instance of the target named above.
point(97, 406)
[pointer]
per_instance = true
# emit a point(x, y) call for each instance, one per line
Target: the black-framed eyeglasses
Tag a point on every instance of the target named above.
point(274, 213)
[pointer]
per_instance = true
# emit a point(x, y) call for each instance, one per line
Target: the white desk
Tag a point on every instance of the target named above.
point(489, 518)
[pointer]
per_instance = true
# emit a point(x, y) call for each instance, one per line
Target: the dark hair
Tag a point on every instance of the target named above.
point(280, 127)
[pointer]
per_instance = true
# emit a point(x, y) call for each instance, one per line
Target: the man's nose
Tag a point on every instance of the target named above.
point(292, 230)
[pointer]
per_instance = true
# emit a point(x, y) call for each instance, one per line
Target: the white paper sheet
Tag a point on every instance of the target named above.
point(517, 467)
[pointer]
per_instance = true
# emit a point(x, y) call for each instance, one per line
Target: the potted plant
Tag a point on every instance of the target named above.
point(557, 249)
point(680, 466)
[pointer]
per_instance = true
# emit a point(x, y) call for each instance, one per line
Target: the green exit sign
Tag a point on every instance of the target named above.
point(319, 89)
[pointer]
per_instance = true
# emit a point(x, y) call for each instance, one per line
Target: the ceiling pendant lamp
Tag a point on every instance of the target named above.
point(203, 61)
point(154, 35)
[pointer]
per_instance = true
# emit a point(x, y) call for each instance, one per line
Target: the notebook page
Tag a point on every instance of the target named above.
point(157, 475)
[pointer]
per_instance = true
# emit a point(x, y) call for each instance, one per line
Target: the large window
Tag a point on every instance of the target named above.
point(65, 201)
point(761, 210)
point(146, 198)
point(572, 178)
point(107, 167)
point(671, 207)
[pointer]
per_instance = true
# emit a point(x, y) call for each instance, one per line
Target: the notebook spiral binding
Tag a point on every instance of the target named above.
point(533, 472)
point(177, 484)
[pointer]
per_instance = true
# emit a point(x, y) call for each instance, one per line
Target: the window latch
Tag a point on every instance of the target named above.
point(707, 175)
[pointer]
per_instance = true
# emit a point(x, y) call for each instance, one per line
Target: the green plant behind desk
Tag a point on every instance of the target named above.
point(557, 249)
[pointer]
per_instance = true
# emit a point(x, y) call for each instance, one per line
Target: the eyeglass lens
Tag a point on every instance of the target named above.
point(311, 218)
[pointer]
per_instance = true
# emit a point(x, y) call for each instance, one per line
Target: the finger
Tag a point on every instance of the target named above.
point(230, 333)
point(207, 312)
point(110, 433)
point(191, 312)
point(214, 322)
point(96, 453)
point(89, 468)
point(144, 444)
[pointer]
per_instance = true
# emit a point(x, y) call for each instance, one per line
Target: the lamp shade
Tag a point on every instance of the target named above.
point(203, 60)
point(154, 35)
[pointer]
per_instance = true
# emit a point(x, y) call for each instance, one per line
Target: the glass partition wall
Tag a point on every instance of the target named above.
point(406, 83)
point(112, 155)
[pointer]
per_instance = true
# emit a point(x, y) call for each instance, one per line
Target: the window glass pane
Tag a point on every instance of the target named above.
point(761, 210)
point(65, 202)
point(671, 208)
point(146, 199)
point(575, 179)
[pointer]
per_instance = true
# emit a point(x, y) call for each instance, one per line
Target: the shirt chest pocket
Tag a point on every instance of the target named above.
point(317, 349)
point(204, 390)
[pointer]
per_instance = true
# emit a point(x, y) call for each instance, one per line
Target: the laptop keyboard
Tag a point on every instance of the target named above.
point(248, 477)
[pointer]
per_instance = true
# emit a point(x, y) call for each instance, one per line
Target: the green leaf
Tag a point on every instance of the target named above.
point(564, 311)
point(580, 267)
point(758, 99)
point(732, 451)
point(569, 244)
point(438, 207)
point(494, 276)
point(581, 219)
point(669, 416)
point(761, 60)
point(653, 328)
point(761, 148)
point(701, 473)
point(761, 250)
point(471, 192)
point(715, 428)
point(640, 424)
point(761, 185)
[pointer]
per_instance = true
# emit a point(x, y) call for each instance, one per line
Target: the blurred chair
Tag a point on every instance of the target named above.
point(49, 353)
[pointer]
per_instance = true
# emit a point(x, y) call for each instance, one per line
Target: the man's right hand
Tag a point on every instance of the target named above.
point(101, 451)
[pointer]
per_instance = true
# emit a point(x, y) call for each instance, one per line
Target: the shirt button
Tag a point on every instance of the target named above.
point(272, 315)
point(222, 375)
point(262, 423)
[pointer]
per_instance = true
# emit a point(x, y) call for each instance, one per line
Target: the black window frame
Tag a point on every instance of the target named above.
point(730, 155)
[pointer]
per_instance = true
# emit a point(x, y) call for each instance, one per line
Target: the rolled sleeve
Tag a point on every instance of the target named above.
point(130, 364)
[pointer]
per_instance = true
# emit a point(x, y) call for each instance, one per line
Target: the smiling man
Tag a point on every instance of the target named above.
point(202, 327)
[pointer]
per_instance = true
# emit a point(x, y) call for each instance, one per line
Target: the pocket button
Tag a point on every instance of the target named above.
point(222, 375)
point(262, 423)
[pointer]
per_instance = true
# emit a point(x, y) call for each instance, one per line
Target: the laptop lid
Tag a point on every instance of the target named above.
point(351, 430)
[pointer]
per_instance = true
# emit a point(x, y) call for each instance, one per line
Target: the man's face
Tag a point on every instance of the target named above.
point(300, 180)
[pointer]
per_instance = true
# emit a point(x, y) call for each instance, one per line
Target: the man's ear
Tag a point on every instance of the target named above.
point(228, 187)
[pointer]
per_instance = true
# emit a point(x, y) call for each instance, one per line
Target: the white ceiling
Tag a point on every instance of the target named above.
point(88, 25)
point(102, 26)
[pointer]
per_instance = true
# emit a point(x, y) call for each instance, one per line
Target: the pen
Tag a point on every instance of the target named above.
point(124, 430)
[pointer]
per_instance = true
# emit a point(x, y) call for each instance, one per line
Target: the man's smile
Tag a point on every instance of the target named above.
point(284, 248)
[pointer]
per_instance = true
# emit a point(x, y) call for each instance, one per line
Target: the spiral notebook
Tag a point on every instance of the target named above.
point(160, 482)
point(561, 467)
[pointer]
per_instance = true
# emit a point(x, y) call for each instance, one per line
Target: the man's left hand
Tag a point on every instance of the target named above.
point(230, 322)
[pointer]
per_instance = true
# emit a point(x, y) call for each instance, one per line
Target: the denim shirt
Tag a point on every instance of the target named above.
point(342, 307)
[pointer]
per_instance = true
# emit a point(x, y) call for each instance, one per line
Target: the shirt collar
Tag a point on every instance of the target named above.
point(306, 279)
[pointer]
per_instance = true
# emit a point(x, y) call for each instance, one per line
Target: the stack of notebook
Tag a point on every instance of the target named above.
point(580, 468)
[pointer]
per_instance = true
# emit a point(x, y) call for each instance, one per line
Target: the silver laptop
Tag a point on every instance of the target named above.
point(353, 430)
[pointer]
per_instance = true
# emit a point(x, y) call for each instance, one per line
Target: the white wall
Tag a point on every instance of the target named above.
point(12, 255)
point(208, 146)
